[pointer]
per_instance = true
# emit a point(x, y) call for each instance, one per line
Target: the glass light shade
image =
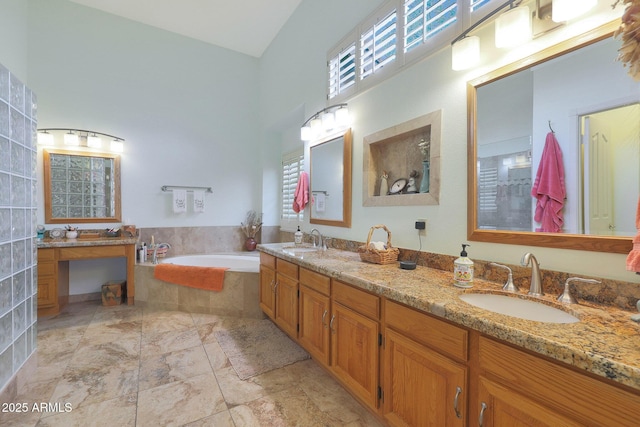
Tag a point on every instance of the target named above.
point(316, 127)
point(564, 10)
point(305, 133)
point(94, 141)
point(328, 121)
point(465, 53)
point(71, 139)
point(342, 117)
point(117, 146)
point(513, 27)
point(45, 138)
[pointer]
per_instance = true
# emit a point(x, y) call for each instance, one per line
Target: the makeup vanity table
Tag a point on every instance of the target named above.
point(53, 266)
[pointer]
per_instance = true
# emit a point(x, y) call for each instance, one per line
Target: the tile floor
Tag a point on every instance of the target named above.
point(128, 366)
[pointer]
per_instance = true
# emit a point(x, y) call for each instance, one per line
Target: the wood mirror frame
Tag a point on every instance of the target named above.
point(48, 206)
point(611, 244)
point(346, 182)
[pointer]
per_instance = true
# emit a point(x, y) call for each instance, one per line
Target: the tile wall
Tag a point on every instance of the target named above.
point(18, 274)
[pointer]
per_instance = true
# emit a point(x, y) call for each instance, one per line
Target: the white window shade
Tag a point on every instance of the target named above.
point(342, 71)
point(292, 165)
point(424, 19)
point(378, 45)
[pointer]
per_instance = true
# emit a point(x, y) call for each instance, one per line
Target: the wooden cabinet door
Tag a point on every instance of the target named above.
point(354, 352)
point(502, 406)
point(267, 293)
point(313, 333)
point(287, 304)
point(421, 387)
point(47, 291)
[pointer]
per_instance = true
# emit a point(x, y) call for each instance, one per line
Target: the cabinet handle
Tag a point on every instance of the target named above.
point(275, 288)
point(323, 316)
point(272, 285)
point(481, 417)
point(333, 317)
point(455, 402)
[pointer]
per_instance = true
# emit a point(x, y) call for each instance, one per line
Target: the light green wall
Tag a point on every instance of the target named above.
point(292, 74)
point(187, 109)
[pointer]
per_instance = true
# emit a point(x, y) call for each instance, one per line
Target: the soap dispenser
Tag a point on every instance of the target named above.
point(463, 270)
point(297, 236)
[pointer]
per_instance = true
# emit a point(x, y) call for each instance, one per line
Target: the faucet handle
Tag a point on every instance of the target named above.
point(509, 286)
point(566, 297)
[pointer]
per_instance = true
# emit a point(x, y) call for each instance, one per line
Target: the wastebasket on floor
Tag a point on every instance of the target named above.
point(113, 293)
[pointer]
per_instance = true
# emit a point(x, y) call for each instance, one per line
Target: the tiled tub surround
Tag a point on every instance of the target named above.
point(204, 240)
point(605, 342)
point(608, 292)
point(18, 274)
point(239, 296)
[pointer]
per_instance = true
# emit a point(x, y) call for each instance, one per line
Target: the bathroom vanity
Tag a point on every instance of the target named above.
point(405, 345)
point(53, 266)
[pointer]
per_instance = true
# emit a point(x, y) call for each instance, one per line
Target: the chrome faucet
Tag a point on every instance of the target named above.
point(314, 238)
point(566, 297)
point(536, 280)
point(154, 259)
point(509, 286)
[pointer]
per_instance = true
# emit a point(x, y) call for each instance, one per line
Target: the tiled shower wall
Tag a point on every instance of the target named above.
point(18, 275)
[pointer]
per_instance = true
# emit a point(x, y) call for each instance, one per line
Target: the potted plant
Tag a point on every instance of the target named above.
point(250, 227)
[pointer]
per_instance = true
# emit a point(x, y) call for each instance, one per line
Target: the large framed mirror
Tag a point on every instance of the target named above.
point(330, 181)
point(578, 93)
point(81, 187)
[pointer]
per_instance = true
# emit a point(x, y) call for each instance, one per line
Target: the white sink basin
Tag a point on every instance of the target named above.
point(520, 308)
point(299, 251)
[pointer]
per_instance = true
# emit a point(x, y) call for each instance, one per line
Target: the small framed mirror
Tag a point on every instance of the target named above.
point(81, 187)
point(330, 181)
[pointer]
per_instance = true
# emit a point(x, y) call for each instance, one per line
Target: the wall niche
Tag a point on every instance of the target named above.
point(397, 152)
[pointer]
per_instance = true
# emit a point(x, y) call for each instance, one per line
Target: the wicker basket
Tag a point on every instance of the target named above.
point(388, 256)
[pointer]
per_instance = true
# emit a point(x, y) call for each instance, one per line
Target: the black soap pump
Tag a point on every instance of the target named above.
point(463, 269)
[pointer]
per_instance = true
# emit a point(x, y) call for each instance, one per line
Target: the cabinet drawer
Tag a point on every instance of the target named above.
point(46, 255)
point(268, 260)
point(425, 329)
point(46, 269)
point(356, 299)
point(580, 397)
point(287, 268)
point(315, 281)
point(87, 252)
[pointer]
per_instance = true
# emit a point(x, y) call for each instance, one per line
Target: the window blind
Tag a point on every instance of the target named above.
point(342, 71)
point(292, 165)
point(378, 45)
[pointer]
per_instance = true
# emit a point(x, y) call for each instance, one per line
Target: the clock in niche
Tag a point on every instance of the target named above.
point(398, 186)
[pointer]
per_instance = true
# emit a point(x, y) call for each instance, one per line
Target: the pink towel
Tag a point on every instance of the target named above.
point(633, 259)
point(549, 188)
point(301, 196)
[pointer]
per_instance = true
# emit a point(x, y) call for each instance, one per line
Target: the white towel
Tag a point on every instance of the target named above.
point(179, 201)
point(320, 201)
point(198, 200)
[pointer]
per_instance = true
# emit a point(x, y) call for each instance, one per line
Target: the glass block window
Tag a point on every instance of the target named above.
point(378, 45)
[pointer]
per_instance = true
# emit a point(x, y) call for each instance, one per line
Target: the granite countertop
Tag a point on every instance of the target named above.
point(98, 241)
point(605, 341)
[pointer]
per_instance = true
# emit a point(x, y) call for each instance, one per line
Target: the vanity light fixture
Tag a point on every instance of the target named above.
point(513, 27)
point(71, 139)
point(94, 141)
point(45, 138)
point(79, 138)
point(334, 118)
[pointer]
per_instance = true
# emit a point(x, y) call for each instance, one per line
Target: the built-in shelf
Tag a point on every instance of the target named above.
point(396, 151)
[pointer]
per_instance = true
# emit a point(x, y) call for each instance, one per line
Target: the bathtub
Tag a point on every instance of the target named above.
point(245, 263)
point(239, 296)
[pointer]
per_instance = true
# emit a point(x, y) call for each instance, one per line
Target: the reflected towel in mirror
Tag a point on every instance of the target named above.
point(549, 187)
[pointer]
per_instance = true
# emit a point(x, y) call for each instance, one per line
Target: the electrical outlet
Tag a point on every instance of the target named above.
point(420, 225)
